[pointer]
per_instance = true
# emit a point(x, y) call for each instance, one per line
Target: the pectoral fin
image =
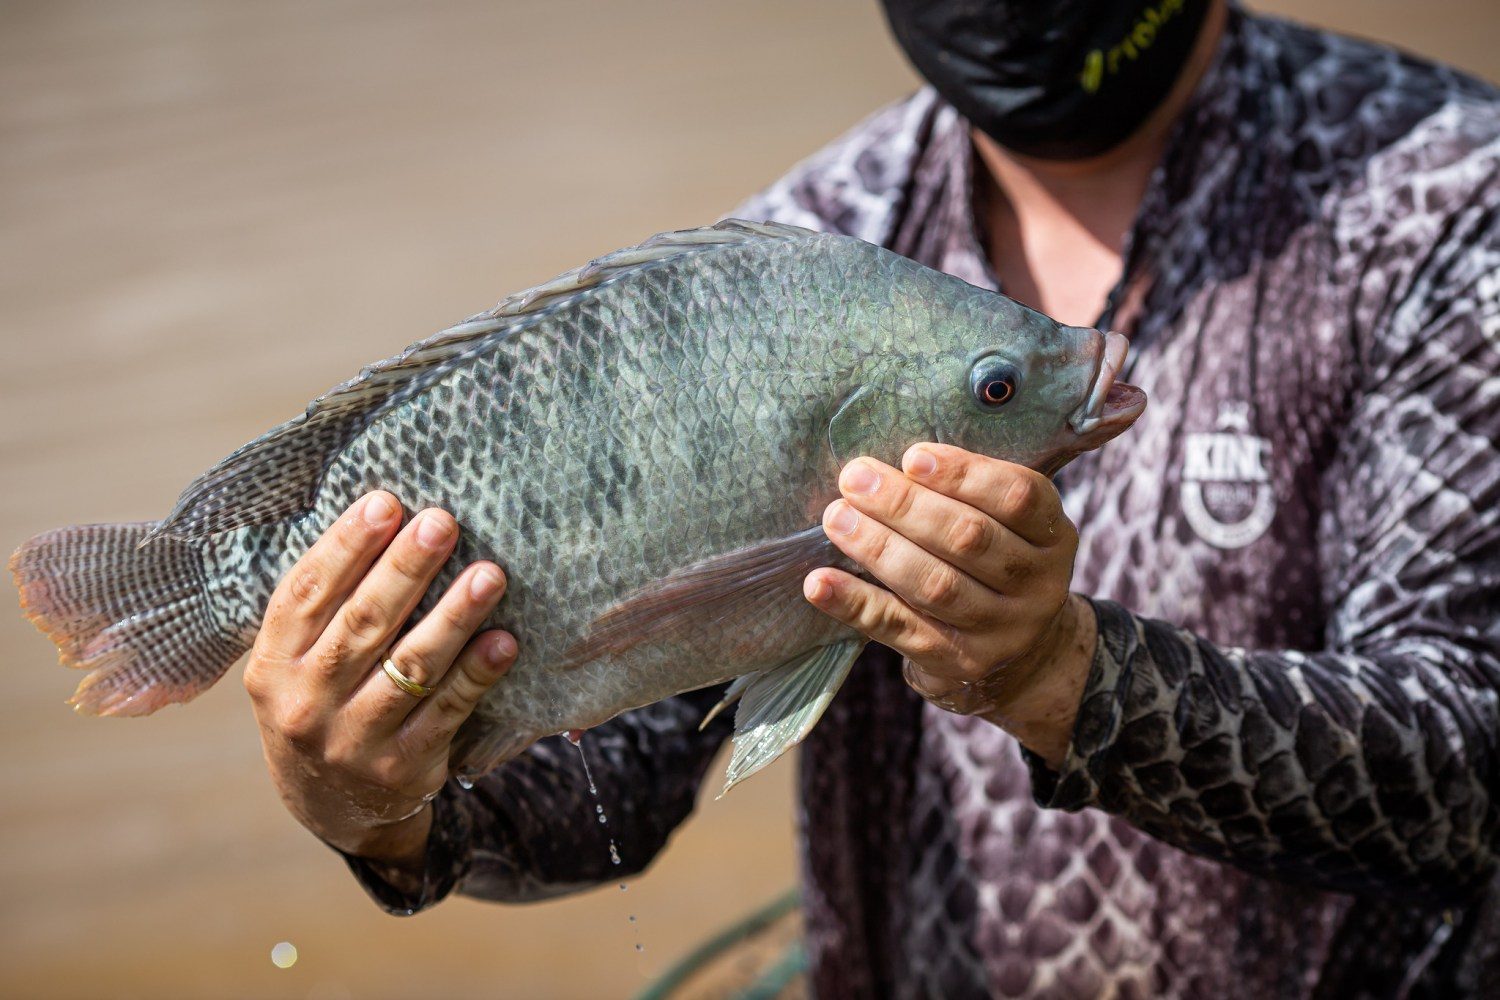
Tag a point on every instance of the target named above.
point(734, 589)
point(868, 417)
point(780, 706)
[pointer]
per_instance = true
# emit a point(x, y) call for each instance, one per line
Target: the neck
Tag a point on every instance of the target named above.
point(1057, 227)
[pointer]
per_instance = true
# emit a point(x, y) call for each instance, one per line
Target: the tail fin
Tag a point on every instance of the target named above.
point(139, 618)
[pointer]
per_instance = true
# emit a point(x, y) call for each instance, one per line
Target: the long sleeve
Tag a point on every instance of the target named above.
point(530, 830)
point(1370, 765)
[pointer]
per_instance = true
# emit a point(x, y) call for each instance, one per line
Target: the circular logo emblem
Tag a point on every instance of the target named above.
point(1227, 496)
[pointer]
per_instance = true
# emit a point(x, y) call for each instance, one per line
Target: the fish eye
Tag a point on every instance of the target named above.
point(993, 382)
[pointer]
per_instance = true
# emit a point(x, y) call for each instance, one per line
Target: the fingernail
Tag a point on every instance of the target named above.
point(432, 530)
point(499, 649)
point(816, 589)
point(484, 584)
point(860, 478)
point(844, 520)
point(920, 463)
point(377, 509)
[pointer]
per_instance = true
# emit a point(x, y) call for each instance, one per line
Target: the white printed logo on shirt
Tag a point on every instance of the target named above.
point(1227, 495)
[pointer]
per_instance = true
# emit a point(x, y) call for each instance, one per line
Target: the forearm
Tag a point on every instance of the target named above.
point(1358, 773)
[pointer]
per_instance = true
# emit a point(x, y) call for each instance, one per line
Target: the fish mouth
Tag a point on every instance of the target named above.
point(1110, 403)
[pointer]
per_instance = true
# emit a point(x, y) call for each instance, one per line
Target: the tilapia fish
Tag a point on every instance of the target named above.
point(645, 444)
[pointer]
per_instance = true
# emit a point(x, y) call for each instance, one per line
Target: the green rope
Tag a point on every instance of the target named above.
point(779, 976)
point(706, 952)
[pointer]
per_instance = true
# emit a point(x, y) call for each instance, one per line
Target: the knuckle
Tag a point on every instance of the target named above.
point(954, 468)
point(306, 585)
point(335, 651)
point(413, 562)
point(1067, 537)
point(877, 545)
point(453, 703)
point(390, 772)
point(457, 699)
point(1021, 496)
point(940, 587)
point(970, 535)
point(464, 685)
point(417, 663)
point(845, 604)
point(902, 498)
point(366, 616)
point(885, 616)
point(457, 615)
point(299, 721)
point(255, 683)
point(423, 741)
point(335, 760)
point(922, 644)
point(469, 683)
point(345, 756)
point(347, 539)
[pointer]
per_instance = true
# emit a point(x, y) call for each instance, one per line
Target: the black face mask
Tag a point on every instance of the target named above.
point(1060, 80)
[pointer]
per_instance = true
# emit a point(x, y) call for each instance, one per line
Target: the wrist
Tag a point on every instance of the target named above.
point(1039, 705)
point(401, 844)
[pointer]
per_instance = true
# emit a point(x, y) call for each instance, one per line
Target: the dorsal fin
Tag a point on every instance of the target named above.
point(277, 474)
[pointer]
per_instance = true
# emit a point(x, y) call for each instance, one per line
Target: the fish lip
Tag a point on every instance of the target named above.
point(1113, 350)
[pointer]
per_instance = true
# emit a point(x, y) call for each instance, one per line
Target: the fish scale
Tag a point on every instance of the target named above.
point(644, 444)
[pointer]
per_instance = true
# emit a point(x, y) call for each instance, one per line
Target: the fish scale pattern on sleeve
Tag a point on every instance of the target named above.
point(1368, 765)
point(1321, 769)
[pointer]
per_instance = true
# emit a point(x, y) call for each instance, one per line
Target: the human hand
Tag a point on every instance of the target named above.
point(978, 556)
point(356, 758)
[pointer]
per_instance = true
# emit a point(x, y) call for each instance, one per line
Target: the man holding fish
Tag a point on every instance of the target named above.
point(1239, 737)
point(1282, 724)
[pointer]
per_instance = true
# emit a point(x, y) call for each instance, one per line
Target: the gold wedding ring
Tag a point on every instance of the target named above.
point(404, 682)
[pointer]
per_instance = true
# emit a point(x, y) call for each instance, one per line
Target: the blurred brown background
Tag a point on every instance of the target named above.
point(211, 212)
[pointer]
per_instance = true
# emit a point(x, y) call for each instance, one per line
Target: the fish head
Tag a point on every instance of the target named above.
point(1022, 387)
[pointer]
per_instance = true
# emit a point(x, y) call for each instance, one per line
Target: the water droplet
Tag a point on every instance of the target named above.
point(594, 791)
point(614, 851)
point(465, 782)
point(284, 955)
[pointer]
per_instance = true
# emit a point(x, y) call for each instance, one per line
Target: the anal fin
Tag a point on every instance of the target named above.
point(779, 707)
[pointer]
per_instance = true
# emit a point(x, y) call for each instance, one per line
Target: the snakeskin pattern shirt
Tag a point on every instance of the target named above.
point(1283, 777)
